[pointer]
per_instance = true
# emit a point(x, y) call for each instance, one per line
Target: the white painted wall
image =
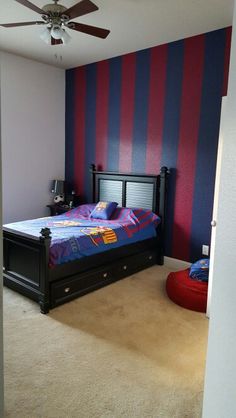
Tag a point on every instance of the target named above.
point(33, 135)
point(220, 379)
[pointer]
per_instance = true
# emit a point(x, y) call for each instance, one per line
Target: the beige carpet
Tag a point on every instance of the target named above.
point(123, 351)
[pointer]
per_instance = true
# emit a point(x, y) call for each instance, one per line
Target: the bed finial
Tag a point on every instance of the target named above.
point(92, 167)
point(45, 233)
point(164, 170)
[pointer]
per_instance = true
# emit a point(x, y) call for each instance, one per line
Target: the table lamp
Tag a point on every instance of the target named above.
point(58, 188)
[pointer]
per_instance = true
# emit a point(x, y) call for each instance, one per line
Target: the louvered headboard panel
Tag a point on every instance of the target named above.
point(130, 190)
point(139, 195)
point(110, 191)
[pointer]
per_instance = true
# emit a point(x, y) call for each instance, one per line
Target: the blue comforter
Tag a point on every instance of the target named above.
point(75, 235)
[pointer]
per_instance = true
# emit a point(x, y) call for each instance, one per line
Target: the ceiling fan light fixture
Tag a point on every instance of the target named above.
point(57, 17)
point(46, 35)
point(56, 32)
point(65, 37)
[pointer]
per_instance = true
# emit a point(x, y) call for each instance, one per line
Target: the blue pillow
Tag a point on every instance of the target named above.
point(200, 270)
point(103, 210)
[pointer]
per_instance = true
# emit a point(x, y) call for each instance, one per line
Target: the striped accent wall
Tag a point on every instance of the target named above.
point(158, 106)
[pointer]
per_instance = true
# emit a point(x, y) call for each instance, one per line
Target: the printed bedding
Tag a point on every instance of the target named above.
point(75, 234)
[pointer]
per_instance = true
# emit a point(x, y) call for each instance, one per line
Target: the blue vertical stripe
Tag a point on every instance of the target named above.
point(170, 143)
point(207, 141)
point(141, 110)
point(113, 144)
point(90, 126)
point(69, 127)
point(206, 152)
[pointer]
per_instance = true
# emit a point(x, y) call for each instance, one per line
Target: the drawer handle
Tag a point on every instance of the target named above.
point(124, 267)
point(104, 275)
point(67, 289)
point(150, 257)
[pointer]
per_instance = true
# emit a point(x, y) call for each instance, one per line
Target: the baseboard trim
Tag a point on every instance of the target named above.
point(175, 264)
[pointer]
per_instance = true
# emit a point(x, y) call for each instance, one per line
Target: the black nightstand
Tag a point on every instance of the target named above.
point(58, 209)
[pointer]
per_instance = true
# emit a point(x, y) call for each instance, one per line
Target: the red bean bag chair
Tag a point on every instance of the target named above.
point(188, 293)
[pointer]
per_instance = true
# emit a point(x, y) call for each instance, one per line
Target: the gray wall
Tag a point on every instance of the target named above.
point(33, 135)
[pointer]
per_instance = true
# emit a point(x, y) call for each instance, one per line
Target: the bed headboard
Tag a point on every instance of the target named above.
point(131, 190)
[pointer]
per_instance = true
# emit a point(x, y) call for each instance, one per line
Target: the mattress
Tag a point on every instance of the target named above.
point(75, 234)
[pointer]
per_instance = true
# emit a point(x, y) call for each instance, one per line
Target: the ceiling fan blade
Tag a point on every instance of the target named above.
point(90, 30)
point(31, 6)
point(56, 41)
point(12, 25)
point(82, 8)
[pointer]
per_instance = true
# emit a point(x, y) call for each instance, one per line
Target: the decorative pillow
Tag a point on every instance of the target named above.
point(103, 210)
point(200, 270)
point(82, 211)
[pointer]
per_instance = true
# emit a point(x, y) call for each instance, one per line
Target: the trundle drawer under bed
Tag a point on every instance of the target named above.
point(64, 290)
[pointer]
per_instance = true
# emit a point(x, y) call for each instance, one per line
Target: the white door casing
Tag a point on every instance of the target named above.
point(215, 207)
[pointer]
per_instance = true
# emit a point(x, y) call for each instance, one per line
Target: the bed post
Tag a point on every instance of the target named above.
point(162, 210)
point(44, 297)
point(92, 171)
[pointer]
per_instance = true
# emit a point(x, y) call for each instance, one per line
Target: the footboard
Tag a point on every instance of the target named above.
point(25, 262)
point(26, 268)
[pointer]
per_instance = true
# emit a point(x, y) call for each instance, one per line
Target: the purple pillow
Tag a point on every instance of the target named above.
point(103, 210)
point(82, 211)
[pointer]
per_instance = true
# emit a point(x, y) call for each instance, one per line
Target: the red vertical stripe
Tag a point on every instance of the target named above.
point(227, 58)
point(188, 138)
point(79, 138)
point(102, 114)
point(156, 108)
point(127, 111)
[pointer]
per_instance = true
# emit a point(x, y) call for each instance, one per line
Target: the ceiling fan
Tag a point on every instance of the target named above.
point(57, 17)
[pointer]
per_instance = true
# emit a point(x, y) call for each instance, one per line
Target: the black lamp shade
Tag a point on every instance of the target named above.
point(58, 186)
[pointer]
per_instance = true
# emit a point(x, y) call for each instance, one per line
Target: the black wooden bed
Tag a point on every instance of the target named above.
point(26, 267)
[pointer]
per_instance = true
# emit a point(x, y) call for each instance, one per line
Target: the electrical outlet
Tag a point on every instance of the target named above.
point(205, 249)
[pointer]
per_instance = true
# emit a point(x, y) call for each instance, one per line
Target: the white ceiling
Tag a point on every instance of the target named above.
point(134, 25)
